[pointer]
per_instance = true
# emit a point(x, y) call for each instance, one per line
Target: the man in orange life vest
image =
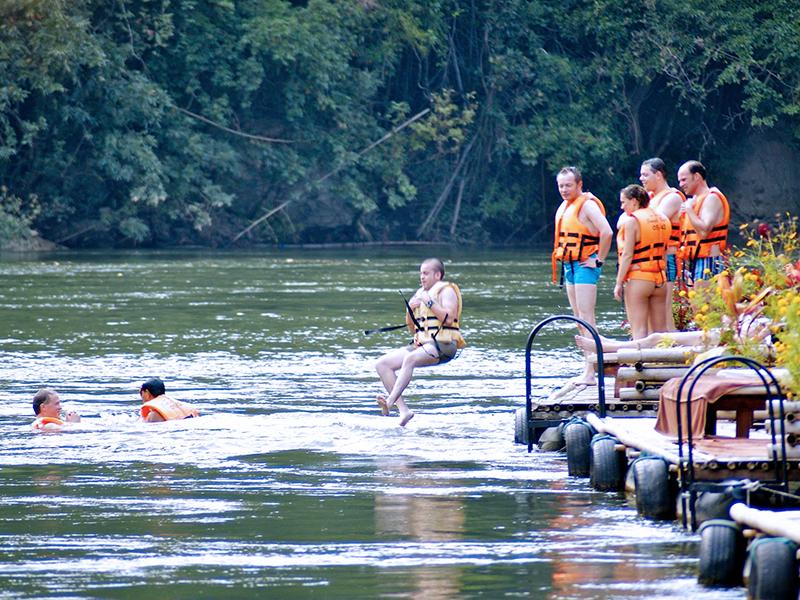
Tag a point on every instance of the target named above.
point(704, 231)
point(436, 308)
point(157, 406)
point(668, 201)
point(47, 408)
point(582, 241)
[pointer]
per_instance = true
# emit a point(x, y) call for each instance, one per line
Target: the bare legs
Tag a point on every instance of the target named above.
point(582, 299)
point(395, 369)
point(680, 338)
point(670, 318)
point(644, 305)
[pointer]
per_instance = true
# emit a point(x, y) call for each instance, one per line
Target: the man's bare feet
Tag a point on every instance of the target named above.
point(382, 403)
point(405, 418)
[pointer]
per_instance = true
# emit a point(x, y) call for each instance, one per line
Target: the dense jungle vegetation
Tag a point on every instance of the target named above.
point(159, 122)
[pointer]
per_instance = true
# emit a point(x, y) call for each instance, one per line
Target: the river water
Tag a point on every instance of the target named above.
point(291, 484)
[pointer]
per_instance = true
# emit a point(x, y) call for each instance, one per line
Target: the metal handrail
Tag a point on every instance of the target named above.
point(687, 479)
point(601, 390)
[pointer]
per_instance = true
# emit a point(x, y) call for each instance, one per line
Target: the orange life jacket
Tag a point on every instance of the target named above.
point(43, 422)
point(692, 247)
point(574, 240)
point(648, 262)
point(169, 409)
point(675, 231)
point(430, 327)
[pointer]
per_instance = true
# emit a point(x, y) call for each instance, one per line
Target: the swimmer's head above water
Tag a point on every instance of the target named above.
point(153, 387)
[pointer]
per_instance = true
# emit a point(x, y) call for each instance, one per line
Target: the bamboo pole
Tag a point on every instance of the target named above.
point(789, 406)
point(634, 394)
point(650, 373)
point(678, 355)
point(784, 523)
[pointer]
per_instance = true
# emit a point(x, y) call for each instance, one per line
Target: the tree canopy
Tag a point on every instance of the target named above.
point(153, 122)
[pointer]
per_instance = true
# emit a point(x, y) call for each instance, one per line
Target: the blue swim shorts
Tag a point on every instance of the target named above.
point(672, 268)
point(712, 264)
point(574, 273)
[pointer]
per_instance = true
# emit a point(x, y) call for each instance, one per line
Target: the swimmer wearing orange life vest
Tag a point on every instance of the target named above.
point(47, 408)
point(158, 407)
point(582, 241)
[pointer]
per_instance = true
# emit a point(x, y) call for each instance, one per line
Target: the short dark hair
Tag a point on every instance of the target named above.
point(41, 397)
point(656, 165)
point(155, 386)
point(437, 264)
point(572, 170)
point(695, 166)
point(636, 192)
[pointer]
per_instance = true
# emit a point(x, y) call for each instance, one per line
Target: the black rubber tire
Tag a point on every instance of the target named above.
point(577, 435)
point(773, 569)
point(552, 439)
point(607, 466)
point(520, 427)
point(722, 552)
point(654, 497)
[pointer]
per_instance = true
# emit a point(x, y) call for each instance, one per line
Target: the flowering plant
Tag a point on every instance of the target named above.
point(762, 279)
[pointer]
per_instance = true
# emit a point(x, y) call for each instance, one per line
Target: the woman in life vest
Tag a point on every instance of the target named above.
point(47, 408)
point(641, 274)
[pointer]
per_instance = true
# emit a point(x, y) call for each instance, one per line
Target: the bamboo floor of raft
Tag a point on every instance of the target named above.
point(567, 402)
point(715, 457)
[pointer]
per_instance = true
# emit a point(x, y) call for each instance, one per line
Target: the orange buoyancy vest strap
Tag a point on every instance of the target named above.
point(693, 246)
point(430, 328)
point(675, 232)
point(572, 239)
point(169, 409)
point(648, 253)
point(42, 422)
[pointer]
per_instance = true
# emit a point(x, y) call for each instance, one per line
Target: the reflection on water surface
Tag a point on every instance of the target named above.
point(291, 484)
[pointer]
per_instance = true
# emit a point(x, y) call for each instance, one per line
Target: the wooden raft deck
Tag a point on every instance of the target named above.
point(716, 458)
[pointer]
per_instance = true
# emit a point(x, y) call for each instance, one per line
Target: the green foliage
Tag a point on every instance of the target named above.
point(149, 121)
point(16, 216)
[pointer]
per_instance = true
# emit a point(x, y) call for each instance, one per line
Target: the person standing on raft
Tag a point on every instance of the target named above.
point(47, 408)
point(157, 406)
point(433, 315)
point(581, 244)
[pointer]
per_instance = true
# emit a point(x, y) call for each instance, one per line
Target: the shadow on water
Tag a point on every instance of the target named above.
point(291, 485)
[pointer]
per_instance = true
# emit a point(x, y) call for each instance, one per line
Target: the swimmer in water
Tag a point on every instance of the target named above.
point(157, 406)
point(47, 408)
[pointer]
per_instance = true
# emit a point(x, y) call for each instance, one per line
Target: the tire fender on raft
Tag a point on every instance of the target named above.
point(607, 465)
point(771, 569)
point(654, 490)
point(520, 427)
point(722, 553)
point(552, 439)
point(577, 436)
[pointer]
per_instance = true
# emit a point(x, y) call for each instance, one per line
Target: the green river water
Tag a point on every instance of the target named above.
point(291, 484)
